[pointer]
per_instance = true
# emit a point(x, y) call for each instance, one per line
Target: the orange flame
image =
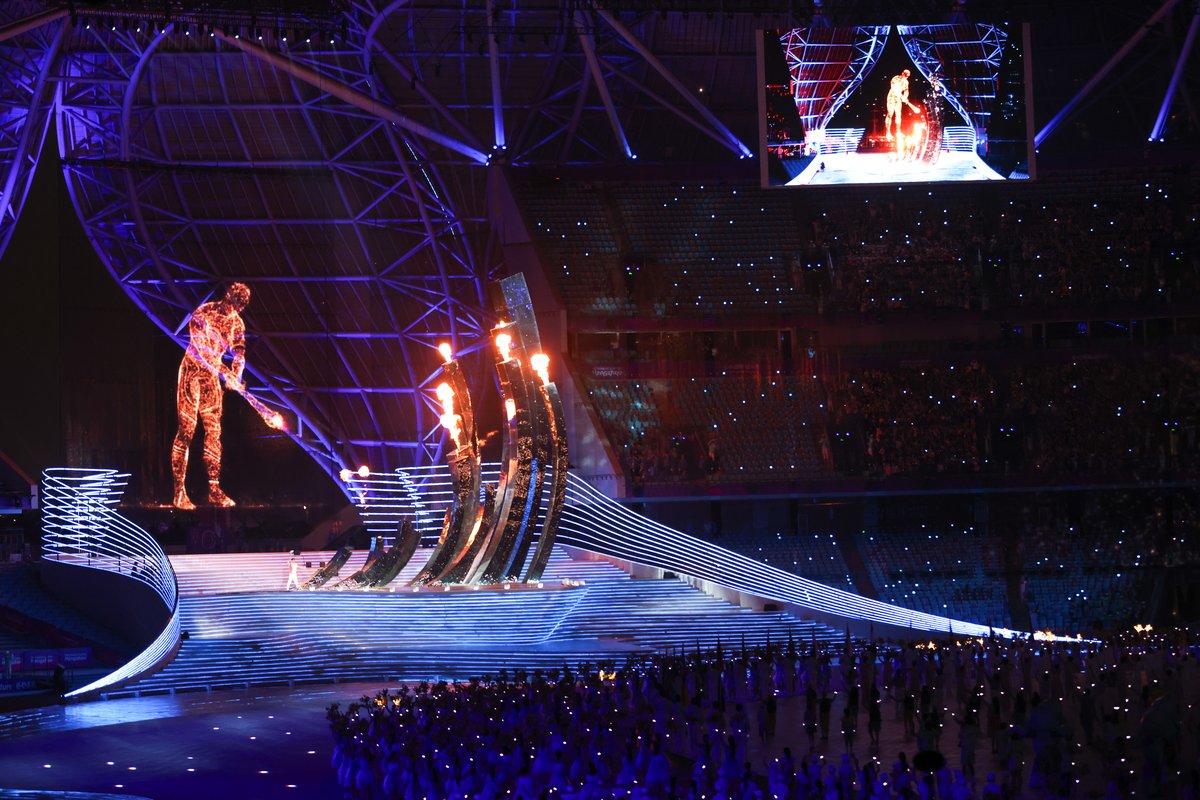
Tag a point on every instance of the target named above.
point(503, 344)
point(345, 474)
point(446, 351)
point(450, 421)
point(510, 406)
point(364, 471)
point(541, 365)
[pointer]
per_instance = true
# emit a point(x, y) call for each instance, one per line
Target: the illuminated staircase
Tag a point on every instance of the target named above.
point(241, 635)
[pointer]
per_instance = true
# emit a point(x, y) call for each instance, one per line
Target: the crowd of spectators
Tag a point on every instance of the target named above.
point(816, 556)
point(914, 420)
point(725, 428)
point(949, 571)
point(1099, 419)
point(1090, 560)
point(1120, 236)
point(888, 254)
point(1066, 418)
point(663, 249)
point(1134, 420)
point(1123, 239)
point(1076, 719)
point(1137, 246)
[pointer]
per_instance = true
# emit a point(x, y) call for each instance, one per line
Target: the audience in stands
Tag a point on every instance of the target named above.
point(1065, 719)
point(725, 249)
point(914, 420)
point(1105, 420)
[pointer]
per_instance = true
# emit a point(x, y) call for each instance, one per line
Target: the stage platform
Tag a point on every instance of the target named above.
point(244, 631)
point(858, 168)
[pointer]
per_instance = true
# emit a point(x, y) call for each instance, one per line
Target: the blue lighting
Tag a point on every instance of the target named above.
point(82, 528)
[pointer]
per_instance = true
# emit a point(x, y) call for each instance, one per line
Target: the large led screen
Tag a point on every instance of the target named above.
point(895, 104)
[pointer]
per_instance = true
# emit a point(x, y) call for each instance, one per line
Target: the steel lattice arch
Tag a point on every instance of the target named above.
point(193, 164)
point(348, 175)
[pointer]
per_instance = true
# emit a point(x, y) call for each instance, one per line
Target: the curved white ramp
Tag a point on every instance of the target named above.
point(595, 522)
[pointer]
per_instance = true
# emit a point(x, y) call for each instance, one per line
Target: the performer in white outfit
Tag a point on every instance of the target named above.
point(293, 581)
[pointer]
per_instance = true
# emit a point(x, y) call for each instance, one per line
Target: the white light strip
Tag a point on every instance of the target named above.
point(82, 527)
point(384, 499)
point(277, 637)
point(593, 521)
point(143, 661)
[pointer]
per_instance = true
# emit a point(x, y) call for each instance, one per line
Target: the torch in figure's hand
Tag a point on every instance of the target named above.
point(269, 415)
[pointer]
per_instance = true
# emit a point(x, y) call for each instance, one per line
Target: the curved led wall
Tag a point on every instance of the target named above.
point(81, 527)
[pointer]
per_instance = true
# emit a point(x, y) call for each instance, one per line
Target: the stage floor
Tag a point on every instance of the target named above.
point(275, 743)
point(850, 168)
point(272, 743)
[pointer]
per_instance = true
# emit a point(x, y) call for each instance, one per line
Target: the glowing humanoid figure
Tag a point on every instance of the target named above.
point(215, 329)
point(896, 98)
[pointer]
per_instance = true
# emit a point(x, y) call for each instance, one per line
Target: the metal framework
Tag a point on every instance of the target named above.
point(30, 45)
point(826, 66)
point(974, 50)
point(344, 179)
point(192, 165)
point(1103, 80)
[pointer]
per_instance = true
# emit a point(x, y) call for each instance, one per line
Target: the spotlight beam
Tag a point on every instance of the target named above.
point(351, 96)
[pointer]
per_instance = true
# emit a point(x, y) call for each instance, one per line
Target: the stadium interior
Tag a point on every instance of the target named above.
point(865, 327)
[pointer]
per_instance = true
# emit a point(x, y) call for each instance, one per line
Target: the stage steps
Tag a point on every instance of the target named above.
point(239, 638)
point(227, 573)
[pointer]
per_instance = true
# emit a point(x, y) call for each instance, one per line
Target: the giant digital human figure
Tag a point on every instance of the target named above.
point(897, 98)
point(216, 328)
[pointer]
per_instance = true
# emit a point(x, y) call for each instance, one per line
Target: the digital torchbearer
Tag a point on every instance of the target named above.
point(897, 97)
point(216, 328)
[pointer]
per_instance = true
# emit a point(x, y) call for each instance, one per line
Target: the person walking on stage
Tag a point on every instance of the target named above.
point(293, 581)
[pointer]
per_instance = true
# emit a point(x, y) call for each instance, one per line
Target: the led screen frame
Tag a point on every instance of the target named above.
point(895, 104)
